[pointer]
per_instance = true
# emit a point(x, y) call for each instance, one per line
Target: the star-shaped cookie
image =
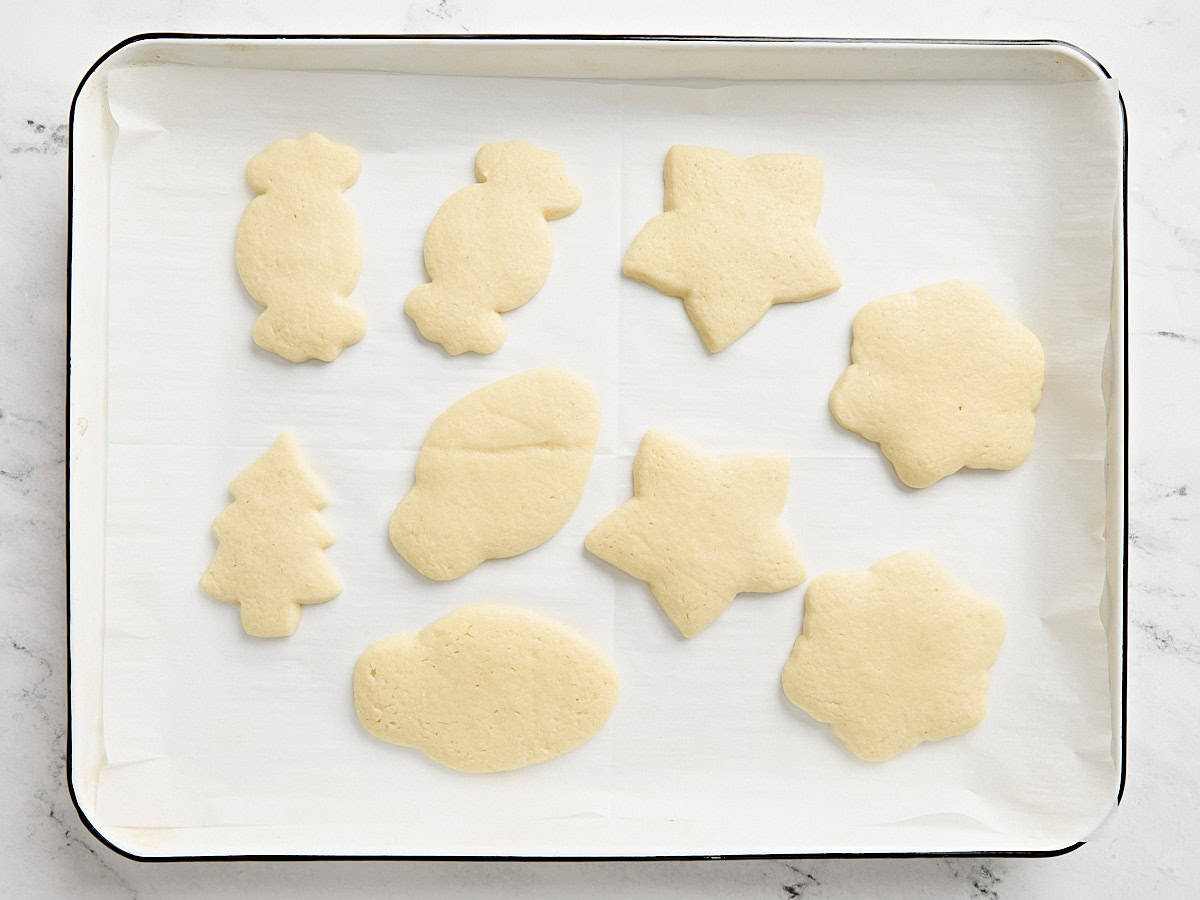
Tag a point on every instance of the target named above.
point(894, 656)
point(701, 529)
point(736, 236)
point(941, 378)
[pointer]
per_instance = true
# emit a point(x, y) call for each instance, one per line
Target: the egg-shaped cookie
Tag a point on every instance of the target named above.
point(486, 689)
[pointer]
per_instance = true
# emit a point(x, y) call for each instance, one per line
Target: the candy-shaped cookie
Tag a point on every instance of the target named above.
point(299, 251)
point(894, 656)
point(700, 529)
point(486, 689)
point(270, 557)
point(736, 236)
point(941, 378)
point(488, 249)
point(499, 473)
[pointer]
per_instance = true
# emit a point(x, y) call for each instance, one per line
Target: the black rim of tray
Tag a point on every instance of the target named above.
point(303, 857)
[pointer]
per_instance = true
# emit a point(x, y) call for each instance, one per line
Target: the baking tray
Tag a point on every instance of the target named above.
point(627, 58)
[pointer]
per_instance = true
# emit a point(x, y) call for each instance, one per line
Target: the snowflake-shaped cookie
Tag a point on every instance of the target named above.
point(941, 378)
point(701, 529)
point(736, 236)
point(894, 656)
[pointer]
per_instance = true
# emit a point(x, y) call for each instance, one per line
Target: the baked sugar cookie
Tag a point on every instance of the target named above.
point(941, 378)
point(894, 656)
point(499, 473)
point(299, 251)
point(488, 250)
point(270, 558)
point(736, 236)
point(486, 689)
point(701, 529)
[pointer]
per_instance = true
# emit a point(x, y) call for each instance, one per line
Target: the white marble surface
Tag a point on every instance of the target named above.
point(1146, 849)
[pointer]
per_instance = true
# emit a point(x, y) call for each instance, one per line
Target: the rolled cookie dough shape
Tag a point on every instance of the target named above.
point(270, 557)
point(486, 689)
point(499, 473)
point(488, 249)
point(736, 237)
point(941, 378)
point(894, 656)
point(700, 530)
point(299, 251)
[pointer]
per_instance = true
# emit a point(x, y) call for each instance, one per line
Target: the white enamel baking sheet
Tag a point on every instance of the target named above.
point(190, 738)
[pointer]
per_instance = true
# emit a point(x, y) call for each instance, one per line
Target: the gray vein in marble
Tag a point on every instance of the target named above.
point(1176, 336)
point(1156, 536)
point(71, 838)
point(41, 694)
point(21, 475)
point(983, 877)
point(1166, 642)
point(1162, 591)
point(7, 417)
point(34, 695)
point(798, 887)
point(29, 426)
point(1138, 543)
point(44, 139)
point(1162, 490)
point(985, 881)
point(443, 12)
point(1186, 241)
point(1156, 544)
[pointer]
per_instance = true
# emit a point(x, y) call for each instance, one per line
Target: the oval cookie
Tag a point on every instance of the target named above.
point(486, 689)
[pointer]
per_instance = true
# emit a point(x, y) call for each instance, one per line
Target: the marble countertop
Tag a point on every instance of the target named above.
point(1145, 848)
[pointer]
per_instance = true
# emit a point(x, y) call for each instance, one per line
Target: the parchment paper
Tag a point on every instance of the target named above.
point(1010, 185)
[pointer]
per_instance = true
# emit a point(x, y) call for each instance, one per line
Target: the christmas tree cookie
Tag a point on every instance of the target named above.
point(270, 556)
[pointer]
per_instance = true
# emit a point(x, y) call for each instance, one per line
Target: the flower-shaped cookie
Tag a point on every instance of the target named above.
point(700, 530)
point(941, 378)
point(736, 236)
point(894, 656)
